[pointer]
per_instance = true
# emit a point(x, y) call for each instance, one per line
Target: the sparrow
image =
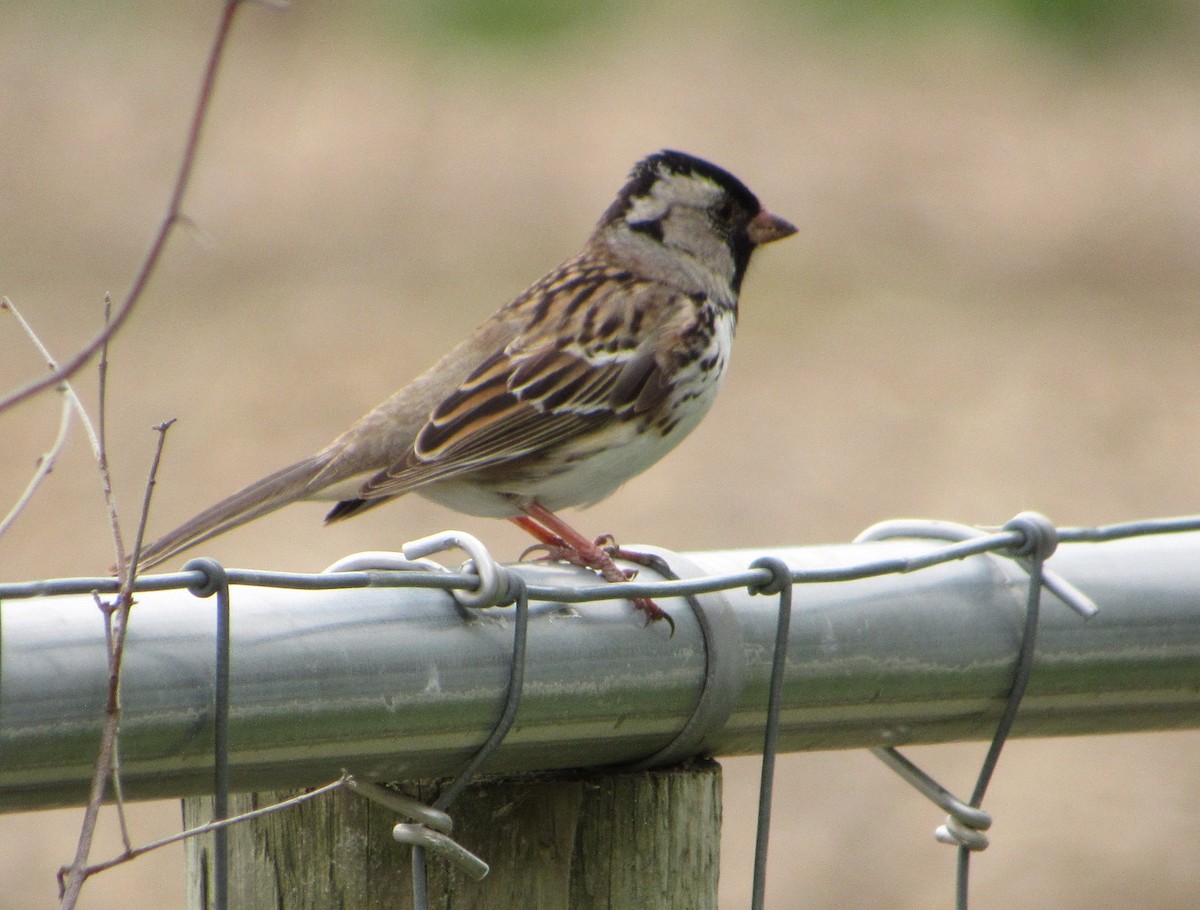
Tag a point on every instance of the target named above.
point(583, 381)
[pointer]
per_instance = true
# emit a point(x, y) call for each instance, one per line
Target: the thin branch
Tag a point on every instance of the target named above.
point(95, 439)
point(105, 758)
point(70, 402)
point(74, 878)
point(135, 852)
point(106, 610)
point(144, 516)
point(119, 551)
point(6, 304)
point(172, 216)
point(45, 463)
point(100, 444)
point(102, 396)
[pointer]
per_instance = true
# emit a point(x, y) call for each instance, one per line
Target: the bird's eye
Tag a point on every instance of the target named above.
point(724, 211)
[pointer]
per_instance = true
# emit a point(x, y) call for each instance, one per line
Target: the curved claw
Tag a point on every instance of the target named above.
point(654, 612)
point(534, 548)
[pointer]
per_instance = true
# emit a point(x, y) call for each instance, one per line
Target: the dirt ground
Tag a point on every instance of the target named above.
point(991, 306)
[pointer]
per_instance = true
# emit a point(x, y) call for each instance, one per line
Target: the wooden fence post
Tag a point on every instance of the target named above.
point(645, 839)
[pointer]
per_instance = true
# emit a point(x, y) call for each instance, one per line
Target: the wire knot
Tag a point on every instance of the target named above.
point(215, 576)
point(497, 586)
point(1040, 536)
point(964, 831)
point(781, 575)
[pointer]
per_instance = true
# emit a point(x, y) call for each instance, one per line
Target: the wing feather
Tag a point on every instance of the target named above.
point(532, 397)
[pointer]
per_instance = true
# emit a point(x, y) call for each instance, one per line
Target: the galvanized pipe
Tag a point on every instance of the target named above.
point(398, 682)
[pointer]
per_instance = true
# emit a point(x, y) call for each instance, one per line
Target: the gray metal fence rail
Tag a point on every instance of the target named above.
point(384, 674)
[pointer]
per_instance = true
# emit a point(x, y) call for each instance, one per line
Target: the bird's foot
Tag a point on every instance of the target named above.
point(597, 555)
point(608, 544)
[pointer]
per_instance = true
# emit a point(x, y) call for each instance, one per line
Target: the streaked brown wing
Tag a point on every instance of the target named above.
point(528, 400)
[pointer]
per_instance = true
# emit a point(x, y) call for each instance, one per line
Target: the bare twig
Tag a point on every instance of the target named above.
point(106, 610)
point(100, 443)
point(71, 403)
point(71, 882)
point(6, 304)
point(95, 439)
point(144, 515)
point(117, 640)
point(101, 395)
point(45, 463)
point(172, 216)
point(118, 614)
point(119, 551)
point(134, 852)
point(119, 793)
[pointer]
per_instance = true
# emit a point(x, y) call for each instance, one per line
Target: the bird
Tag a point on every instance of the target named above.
point(584, 380)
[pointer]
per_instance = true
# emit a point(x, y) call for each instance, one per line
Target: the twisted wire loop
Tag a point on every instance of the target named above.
point(1029, 539)
point(213, 577)
point(779, 584)
point(780, 580)
point(401, 804)
point(496, 586)
point(422, 838)
point(965, 824)
point(1024, 528)
point(1039, 536)
point(493, 589)
point(958, 831)
point(431, 830)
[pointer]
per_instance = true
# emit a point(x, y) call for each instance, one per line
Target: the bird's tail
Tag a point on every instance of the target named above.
point(259, 498)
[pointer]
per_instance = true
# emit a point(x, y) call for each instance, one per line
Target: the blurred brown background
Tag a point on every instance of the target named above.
point(991, 305)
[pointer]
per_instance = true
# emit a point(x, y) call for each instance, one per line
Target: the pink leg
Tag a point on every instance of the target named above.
point(564, 542)
point(531, 527)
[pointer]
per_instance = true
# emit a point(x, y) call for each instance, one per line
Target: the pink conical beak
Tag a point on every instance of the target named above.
point(765, 227)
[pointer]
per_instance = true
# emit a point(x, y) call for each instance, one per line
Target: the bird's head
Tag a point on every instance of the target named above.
point(690, 208)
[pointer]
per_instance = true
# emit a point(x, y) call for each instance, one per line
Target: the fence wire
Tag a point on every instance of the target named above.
point(1029, 539)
